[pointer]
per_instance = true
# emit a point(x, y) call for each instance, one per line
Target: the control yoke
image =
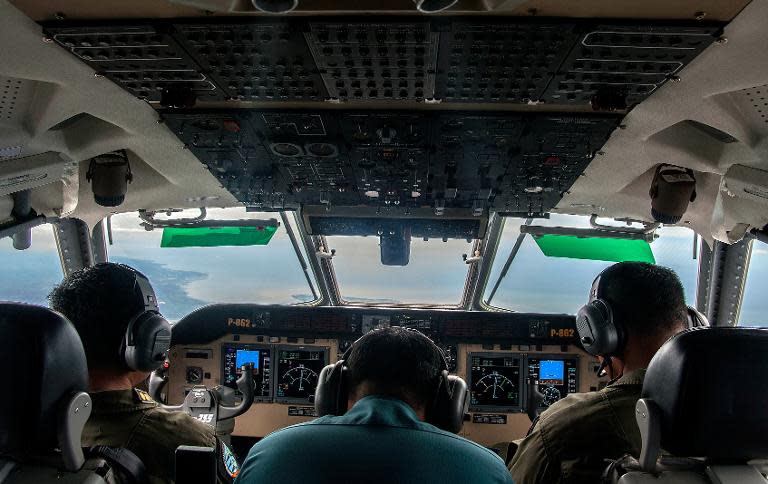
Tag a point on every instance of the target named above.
point(535, 398)
point(207, 405)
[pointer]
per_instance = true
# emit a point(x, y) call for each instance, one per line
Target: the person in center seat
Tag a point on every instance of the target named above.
point(633, 309)
point(114, 310)
point(388, 384)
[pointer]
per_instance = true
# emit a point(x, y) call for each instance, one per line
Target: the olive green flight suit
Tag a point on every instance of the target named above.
point(131, 419)
point(572, 438)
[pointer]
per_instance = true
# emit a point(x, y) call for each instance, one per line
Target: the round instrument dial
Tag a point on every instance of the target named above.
point(299, 381)
point(551, 395)
point(494, 386)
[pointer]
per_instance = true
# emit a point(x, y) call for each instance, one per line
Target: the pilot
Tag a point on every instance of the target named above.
point(391, 378)
point(571, 439)
point(102, 301)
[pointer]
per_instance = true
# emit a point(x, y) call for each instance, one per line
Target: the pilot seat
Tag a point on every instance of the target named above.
point(45, 405)
point(702, 413)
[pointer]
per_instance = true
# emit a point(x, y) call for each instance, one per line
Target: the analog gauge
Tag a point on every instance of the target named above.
point(322, 150)
point(299, 381)
point(194, 374)
point(286, 150)
point(551, 395)
point(494, 386)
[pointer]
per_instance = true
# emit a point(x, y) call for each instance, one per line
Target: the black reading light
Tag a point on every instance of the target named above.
point(109, 175)
point(672, 189)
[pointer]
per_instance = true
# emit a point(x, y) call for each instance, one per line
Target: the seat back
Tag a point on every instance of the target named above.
point(704, 396)
point(45, 369)
point(45, 406)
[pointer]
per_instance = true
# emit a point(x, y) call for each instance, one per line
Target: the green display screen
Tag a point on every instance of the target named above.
point(216, 236)
point(595, 248)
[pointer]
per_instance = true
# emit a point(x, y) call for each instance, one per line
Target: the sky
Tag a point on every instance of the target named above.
point(188, 278)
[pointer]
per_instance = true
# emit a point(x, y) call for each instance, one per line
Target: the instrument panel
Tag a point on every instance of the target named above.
point(495, 381)
point(500, 355)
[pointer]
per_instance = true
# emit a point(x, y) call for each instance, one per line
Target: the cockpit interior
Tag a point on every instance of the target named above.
point(291, 175)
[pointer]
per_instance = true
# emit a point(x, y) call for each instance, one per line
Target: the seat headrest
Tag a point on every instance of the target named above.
point(711, 387)
point(43, 365)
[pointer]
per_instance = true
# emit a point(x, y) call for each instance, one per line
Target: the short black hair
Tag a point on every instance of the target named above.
point(100, 301)
point(397, 362)
point(647, 299)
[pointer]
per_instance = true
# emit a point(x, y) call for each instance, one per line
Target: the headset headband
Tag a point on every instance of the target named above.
point(438, 350)
point(145, 291)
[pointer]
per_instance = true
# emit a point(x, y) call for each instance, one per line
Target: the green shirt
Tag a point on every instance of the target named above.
point(572, 438)
point(379, 439)
point(130, 419)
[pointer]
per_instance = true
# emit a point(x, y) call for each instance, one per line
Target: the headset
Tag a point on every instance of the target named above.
point(446, 411)
point(601, 335)
point(148, 336)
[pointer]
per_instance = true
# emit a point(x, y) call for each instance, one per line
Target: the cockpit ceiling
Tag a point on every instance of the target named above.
point(491, 61)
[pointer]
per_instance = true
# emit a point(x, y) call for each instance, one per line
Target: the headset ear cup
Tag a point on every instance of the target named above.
point(450, 404)
point(147, 341)
point(331, 392)
point(598, 332)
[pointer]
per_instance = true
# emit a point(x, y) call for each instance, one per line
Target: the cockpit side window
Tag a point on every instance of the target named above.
point(29, 275)
point(754, 305)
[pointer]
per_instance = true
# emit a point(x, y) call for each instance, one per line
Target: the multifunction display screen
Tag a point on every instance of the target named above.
point(235, 356)
point(298, 370)
point(495, 380)
point(556, 376)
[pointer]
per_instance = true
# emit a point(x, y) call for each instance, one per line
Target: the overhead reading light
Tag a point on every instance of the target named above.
point(432, 6)
point(672, 189)
point(109, 175)
point(276, 6)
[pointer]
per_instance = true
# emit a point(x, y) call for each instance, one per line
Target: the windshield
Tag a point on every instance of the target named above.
point(187, 278)
point(754, 304)
point(434, 275)
point(540, 284)
point(29, 275)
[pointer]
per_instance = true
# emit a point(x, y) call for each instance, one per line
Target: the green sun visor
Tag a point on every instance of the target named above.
point(216, 236)
point(595, 248)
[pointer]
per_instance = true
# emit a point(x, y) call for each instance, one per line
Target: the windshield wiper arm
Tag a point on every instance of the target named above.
point(299, 255)
point(508, 263)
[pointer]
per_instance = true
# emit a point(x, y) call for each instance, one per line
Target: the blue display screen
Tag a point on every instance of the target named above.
point(552, 370)
point(247, 356)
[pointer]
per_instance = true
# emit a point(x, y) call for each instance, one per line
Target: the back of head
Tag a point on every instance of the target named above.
point(100, 301)
point(397, 362)
point(646, 299)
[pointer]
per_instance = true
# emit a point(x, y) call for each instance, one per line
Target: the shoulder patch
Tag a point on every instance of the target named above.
point(229, 461)
point(142, 397)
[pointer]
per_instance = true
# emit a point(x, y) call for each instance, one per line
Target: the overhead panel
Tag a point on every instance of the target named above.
point(255, 61)
point(375, 61)
point(481, 61)
point(398, 61)
point(395, 162)
point(142, 59)
point(625, 61)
